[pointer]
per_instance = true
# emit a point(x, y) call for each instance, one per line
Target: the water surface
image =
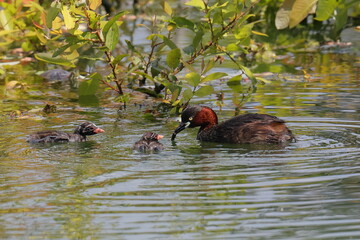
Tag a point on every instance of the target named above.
point(101, 189)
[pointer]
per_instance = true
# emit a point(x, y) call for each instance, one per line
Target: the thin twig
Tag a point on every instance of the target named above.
point(108, 58)
point(224, 29)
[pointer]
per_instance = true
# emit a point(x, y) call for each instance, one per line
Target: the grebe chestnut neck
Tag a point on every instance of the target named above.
point(247, 128)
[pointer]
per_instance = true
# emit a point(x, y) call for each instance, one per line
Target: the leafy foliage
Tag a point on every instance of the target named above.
point(292, 12)
point(70, 28)
point(71, 33)
point(17, 22)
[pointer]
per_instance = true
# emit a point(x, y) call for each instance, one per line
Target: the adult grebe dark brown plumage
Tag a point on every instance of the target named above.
point(247, 128)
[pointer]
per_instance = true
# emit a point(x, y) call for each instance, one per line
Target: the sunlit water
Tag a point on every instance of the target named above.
point(101, 189)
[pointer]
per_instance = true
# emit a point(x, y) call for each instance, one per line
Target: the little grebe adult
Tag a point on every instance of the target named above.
point(53, 136)
point(149, 143)
point(247, 128)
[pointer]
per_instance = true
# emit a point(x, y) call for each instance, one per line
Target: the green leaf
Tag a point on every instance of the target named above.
point(209, 66)
point(6, 19)
point(7, 32)
point(264, 80)
point(189, 67)
point(147, 76)
point(196, 3)
point(175, 94)
point(325, 9)
point(249, 74)
point(40, 35)
point(27, 46)
point(217, 18)
point(341, 17)
point(187, 95)
point(244, 31)
point(204, 91)
point(213, 76)
point(72, 42)
point(68, 19)
point(245, 18)
point(47, 57)
point(130, 45)
point(300, 10)
point(232, 47)
point(109, 24)
point(60, 50)
point(94, 19)
point(173, 58)
point(166, 40)
point(51, 14)
point(193, 79)
point(118, 58)
point(183, 22)
point(167, 8)
point(90, 86)
point(112, 37)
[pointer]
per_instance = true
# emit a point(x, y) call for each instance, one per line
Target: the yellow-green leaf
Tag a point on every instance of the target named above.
point(51, 14)
point(249, 74)
point(325, 9)
point(7, 32)
point(166, 40)
point(189, 67)
point(167, 8)
point(204, 91)
point(264, 80)
point(68, 19)
point(259, 33)
point(173, 58)
point(57, 23)
point(112, 37)
point(112, 21)
point(6, 20)
point(47, 57)
point(94, 4)
point(187, 94)
point(244, 31)
point(213, 76)
point(41, 37)
point(196, 3)
point(232, 47)
point(300, 10)
point(193, 79)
